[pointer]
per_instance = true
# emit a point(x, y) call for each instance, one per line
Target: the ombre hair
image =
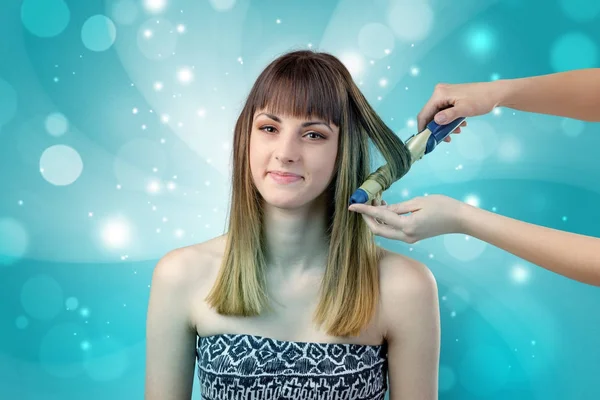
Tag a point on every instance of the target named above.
point(305, 84)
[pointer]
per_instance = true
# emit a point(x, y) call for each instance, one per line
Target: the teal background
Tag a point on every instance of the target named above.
point(116, 122)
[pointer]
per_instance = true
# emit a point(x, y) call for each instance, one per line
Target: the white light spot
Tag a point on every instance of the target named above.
point(181, 28)
point(201, 112)
point(155, 6)
point(153, 187)
point(411, 123)
point(165, 118)
point(383, 82)
point(171, 186)
point(519, 274)
point(147, 33)
point(354, 62)
point(158, 86)
point(278, 21)
point(179, 233)
point(185, 75)
point(472, 200)
point(414, 71)
point(135, 111)
point(116, 233)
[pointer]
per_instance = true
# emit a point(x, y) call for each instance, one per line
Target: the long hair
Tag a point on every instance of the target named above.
point(310, 84)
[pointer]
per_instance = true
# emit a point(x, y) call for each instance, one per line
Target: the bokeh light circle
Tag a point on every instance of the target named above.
point(478, 141)
point(60, 350)
point(45, 18)
point(572, 127)
point(98, 33)
point(72, 303)
point(376, 40)
point(42, 297)
point(60, 165)
point(22, 322)
point(410, 20)
point(509, 149)
point(56, 124)
point(106, 359)
point(8, 100)
point(125, 12)
point(573, 50)
point(222, 5)
point(14, 241)
point(481, 41)
point(581, 10)
point(447, 378)
point(463, 247)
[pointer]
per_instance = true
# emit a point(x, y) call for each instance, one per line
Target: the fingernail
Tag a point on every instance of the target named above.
point(441, 118)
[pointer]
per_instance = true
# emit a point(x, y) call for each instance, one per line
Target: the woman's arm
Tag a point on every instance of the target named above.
point(412, 320)
point(573, 94)
point(170, 337)
point(569, 254)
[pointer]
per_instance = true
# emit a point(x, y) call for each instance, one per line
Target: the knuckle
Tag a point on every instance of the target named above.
point(441, 87)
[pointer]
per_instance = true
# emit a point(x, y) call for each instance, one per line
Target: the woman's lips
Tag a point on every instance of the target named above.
point(284, 178)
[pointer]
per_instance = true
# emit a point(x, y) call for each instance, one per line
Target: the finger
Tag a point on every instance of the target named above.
point(382, 213)
point(435, 103)
point(385, 231)
point(464, 123)
point(457, 130)
point(405, 207)
point(460, 109)
point(383, 202)
point(447, 139)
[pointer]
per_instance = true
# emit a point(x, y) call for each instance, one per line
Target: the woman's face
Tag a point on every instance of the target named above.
point(291, 160)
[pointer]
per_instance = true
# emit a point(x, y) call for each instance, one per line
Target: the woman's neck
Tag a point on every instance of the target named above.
point(295, 240)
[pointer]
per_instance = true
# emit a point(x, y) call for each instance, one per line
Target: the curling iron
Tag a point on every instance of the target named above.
point(418, 144)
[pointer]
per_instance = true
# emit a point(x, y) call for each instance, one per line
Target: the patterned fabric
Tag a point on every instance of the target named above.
point(236, 366)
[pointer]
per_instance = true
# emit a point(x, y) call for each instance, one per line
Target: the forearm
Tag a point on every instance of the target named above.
point(573, 94)
point(569, 254)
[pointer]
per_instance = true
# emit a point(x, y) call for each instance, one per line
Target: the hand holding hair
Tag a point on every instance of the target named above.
point(572, 255)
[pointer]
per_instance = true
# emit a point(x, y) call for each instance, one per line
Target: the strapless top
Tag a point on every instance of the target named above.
point(239, 366)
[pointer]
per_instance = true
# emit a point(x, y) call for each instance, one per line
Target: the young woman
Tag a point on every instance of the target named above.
point(296, 301)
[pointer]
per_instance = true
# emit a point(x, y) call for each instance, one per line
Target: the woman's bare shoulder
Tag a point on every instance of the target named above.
point(187, 265)
point(407, 285)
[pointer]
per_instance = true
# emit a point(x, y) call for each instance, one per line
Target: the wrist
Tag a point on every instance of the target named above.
point(506, 91)
point(464, 216)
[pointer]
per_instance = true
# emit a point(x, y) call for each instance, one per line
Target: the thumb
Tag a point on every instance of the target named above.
point(460, 109)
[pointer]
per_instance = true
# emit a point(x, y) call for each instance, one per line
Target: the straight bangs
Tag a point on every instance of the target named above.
point(301, 88)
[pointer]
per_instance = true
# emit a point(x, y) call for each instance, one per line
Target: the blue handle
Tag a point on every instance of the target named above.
point(439, 132)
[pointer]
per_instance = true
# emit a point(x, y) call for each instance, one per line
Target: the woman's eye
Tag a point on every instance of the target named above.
point(315, 135)
point(268, 129)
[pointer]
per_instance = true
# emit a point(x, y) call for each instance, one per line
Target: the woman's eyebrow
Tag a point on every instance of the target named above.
point(304, 125)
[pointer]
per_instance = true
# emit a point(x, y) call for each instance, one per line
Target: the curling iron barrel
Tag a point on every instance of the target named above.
point(419, 144)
